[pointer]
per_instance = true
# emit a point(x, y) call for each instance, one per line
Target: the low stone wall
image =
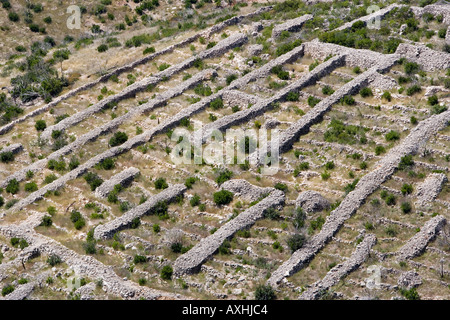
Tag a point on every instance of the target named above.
point(14, 148)
point(107, 230)
point(82, 265)
point(238, 98)
point(244, 189)
point(191, 261)
point(312, 201)
point(158, 101)
point(21, 292)
point(354, 57)
point(216, 28)
point(292, 25)
point(428, 190)
point(435, 9)
point(371, 18)
point(417, 244)
point(366, 186)
point(123, 178)
point(428, 59)
point(264, 105)
point(315, 115)
point(335, 275)
point(219, 49)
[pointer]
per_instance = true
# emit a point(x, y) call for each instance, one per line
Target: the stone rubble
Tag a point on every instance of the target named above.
point(312, 201)
point(21, 292)
point(409, 280)
point(244, 189)
point(14, 148)
point(372, 18)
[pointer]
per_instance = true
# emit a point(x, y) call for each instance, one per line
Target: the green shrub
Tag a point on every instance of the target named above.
point(413, 90)
point(264, 292)
point(190, 181)
point(292, 96)
point(295, 242)
point(7, 290)
point(407, 189)
point(281, 186)
point(433, 100)
point(387, 96)
point(410, 294)
point(406, 207)
point(31, 187)
point(223, 197)
point(108, 164)
point(118, 139)
point(195, 200)
point(50, 178)
point(312, 101)
point(13, 16)
point(392, 136)
point(366, 92)
point(13, 186)
point(390, 200)
point(161, 184)
point(40, 125)
point(6, 157)
point(406, 162)
point(411, 67)
point(379, 150)
point(271, 214)
point(77, 219)
point(102, 48)
point(216, 104)
point(231, 78)
point(327, 90)
point(224, 175)
point(93, 180)
point(54, 260)
point(166, 273)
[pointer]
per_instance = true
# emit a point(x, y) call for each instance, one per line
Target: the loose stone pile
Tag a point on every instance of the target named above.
point(312, 201)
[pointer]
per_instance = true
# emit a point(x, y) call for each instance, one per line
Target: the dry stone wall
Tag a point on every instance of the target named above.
point(428, 59)
point(360, 255)
point(107, 230)
point(417, 244)
point(191, 261)
point(292, 25)
point(366, 186)
point(123, 178)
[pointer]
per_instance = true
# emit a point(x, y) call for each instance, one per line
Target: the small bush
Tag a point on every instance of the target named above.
point(102, 48)
point(216, 104)
point(406, 207)
point(366, 92)
point(161, 184)
point(295, 242)
point(166, 273)
point(54, 260)
point(264, 292)
point(13, 186)
point(40, 125)
point(6, 157)
point(392, 136)
point(118, 139)
point(7, 290)
point(195, 200)
point(407, 189)
point(223, 197)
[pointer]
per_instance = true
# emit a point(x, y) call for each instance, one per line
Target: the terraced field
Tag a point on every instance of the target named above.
point(107, 190)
